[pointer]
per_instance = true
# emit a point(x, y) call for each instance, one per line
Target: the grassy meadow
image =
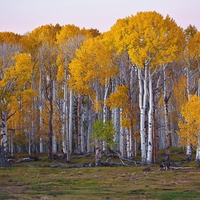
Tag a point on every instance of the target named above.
point(38, 180)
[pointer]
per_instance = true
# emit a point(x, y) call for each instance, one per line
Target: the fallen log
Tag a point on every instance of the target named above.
point(91, 164)
point(82, 156)
point(59, 165)
point(174, 168)
point(20, 160)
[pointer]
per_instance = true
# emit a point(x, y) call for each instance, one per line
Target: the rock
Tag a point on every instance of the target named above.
point(147, 169)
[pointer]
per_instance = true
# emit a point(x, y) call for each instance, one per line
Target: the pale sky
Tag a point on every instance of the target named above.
point(21, 16)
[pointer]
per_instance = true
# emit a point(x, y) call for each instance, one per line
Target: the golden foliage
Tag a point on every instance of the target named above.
point(148, 37)
point(189, 126)
point(18, 74)
point(180, 92)
point(93, 63)
point(118, 99)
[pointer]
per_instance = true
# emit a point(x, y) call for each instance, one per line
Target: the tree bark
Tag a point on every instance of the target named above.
point(4, 140)
point(105, 114)
point(64, 126)
point(122, 139)
point(40, 105)
point(150, 122)
point(79, 115)
point(97, 153)
point(54, 141)
point(50, 133)
point(155, 128)
point(142, 105)
point(198, 146)
point(89, 126)
point(116, 117)
point(166, 117)
point(188, 148)
point(70, 120)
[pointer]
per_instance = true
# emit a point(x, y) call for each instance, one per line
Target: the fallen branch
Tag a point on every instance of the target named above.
point(124, 163)
point(113, 164)
point(105, 164)
point(175, 168)
point(70, 166)
point(108, 159)
point(123, 159)
point(82, 156)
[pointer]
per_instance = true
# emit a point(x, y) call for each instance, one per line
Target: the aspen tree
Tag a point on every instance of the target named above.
point(190, 57)
point(46, 55)
point(189, 125)
point(151, 41)
point(127, 76)
point(69, 39)
point(90, 72)
point(12, 87)
point(35, 46)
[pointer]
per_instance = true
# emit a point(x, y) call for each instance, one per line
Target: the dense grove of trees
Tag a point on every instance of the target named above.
point(133, 89)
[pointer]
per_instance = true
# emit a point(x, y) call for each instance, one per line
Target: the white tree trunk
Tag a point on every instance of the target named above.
point(41, 145)
point(198, 150)
point(70, 119)
point(82, 132)
point(105, 113)
point(173, 134)
point(89, 121)
point(121, 138)
point(188, 149)
point(97, 141)
point(150, 122)
point(142, 105)
point(198, 147)
point(79, 120)
point(116, 117)
point(166, 125)
point(29, 142)
point(97, 153)
point(54, 139)
point(4, 139)
point(64, 127)
point(40, 106)
point(128, 143)
point(66, 138)
point(54, 144)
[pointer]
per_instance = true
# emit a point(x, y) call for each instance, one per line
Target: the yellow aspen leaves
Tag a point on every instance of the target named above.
point(93, 63)
point(119, 98)
point(148, 37)
point(189, 125)
point(20, 73)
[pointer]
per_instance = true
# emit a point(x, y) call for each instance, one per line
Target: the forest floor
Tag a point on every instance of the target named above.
point(39, 180)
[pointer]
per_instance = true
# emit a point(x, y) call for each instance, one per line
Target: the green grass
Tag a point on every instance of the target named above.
point(37, 180)
point(99, 183)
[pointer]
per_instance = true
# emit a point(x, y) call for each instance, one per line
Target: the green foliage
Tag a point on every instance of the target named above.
point(104, 132)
